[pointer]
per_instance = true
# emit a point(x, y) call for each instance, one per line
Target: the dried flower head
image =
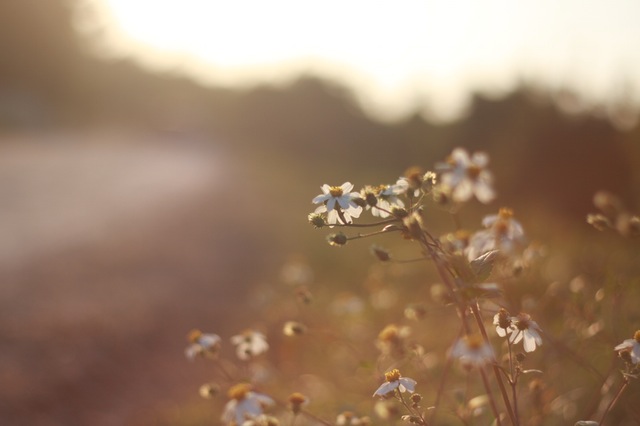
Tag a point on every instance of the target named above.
point(337, 240)
point(209, 390)
point(297, 401)
point(294, 328)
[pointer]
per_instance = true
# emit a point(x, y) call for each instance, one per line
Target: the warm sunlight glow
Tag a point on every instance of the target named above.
point(396, 55)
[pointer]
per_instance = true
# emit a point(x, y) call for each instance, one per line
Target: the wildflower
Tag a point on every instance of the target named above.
point(395, 381)
point(524, 328)
point(244, 404)
point(503, 233)
point(392, 338)
point(465, 177)
point(630, 348)
point(293, 328)
point(337, 240)
point(203, 344)
point(249, 344)
point(503, 323)
point(338, 203)
point(297, 401)
point(387, 198)
point(349, 418)
point(472, 351)
point(209, 390)
point(262, 420)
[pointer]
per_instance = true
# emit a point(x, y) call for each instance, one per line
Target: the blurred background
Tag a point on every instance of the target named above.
point(158, 161)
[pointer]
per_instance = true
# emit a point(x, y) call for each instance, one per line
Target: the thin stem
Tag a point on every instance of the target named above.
point(412, 411)
point(513, 381)
point(492, 401)
point(613, 402)
point(496, 370)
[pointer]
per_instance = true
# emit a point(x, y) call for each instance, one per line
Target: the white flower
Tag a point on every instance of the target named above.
point(524, 328)
point(472, 351)
point(466, 177)
point(204, 344)
point(503, 322)
point(338, 202)
point(387, 196)
point(632, 347)
point(244, 404)
point(395, 381)
point(503, 233)
point(249, 344)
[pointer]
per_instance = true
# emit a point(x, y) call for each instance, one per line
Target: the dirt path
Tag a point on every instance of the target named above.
point(109, 254)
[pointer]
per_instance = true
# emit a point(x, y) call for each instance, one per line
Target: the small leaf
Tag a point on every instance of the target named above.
point(482, 266)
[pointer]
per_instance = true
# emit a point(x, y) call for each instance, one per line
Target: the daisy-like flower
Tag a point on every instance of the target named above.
point(472, 351)
point(630, 348)
point(249, 343)
point(465, 176)
point(503, 322)
point(338, 202)
point(527, 330)
point(244, 404)
point(395, 381)
point(503, 233)
point(386, 197)
point(202, 344)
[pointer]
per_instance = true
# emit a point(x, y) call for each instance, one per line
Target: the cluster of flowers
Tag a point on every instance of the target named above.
point(463, 260)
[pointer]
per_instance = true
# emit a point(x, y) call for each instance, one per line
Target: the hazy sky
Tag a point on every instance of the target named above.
point(395, 54)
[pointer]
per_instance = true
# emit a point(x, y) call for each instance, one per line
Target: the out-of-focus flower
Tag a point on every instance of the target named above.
point(527, 330)
point(395, 381)
point(630, 349)
point(297, 401)
point(338, 202)
point(391, 340)
point(387, 198)
point(202, 344)
point(262, 420)
point(209, 390)
point(472, 351)
point(503, 322)
point(249, 344)
point(244, 404)
point(348, 418)
point(503, 233)
point(465, 176)
point(294, 328)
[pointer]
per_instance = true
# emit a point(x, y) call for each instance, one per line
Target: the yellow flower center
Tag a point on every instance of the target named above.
point(505, 213)
point(194, 335)
point(393, 375)
point(636, 336)
point(239, 391)
point(335, 191)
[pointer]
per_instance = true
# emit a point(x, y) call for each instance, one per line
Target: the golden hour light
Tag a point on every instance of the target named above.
point(397, 56)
